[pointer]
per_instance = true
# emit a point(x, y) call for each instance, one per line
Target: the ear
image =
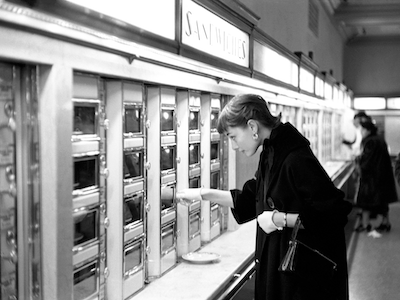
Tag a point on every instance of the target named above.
point(253, 125)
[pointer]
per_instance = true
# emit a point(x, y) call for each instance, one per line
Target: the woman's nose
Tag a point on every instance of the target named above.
point(234, 145)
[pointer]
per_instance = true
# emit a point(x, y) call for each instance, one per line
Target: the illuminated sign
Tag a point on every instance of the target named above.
point(369, 103)
point(393, 103)
point(275, 65)
point(205, 31)
point(156, 16)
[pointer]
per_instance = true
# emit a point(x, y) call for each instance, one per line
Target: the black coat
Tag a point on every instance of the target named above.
point(377, 186)
point(296, 183)
point(397, 169)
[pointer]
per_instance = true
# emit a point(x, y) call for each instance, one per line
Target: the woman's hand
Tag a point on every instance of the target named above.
point(189, 194)
point(266, 223)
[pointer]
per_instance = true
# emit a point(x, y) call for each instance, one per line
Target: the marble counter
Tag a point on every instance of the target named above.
point(333, 167)
point(339, 171)
point(205, 281)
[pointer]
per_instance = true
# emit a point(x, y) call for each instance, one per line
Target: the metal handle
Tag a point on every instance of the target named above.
point(80, 215)
point(11, 238)
point(9, 109)
point(10, 174)
point(13, 257)
point(167, 232)
point(12, 125)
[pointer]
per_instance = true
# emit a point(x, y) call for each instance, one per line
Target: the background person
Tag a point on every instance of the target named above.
point(377, 187)
point(289, 183)
point(355, 145)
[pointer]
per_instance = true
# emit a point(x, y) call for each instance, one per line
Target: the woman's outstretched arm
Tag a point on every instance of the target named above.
point(223, 198)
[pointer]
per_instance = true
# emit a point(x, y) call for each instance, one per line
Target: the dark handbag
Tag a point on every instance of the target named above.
point(306, 262)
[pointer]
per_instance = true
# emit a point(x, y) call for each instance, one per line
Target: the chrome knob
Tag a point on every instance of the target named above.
point(103, 256)
point(10, 174)
point(105, 172)
point(148, 165)
point(148, 207)
point(106, 124)
point(106, 272)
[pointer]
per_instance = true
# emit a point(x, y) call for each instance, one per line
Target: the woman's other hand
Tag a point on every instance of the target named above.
point(266, 223)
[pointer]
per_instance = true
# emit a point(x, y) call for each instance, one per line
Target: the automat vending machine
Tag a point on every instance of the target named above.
point(126, 188)
point(212, 167)
point(89, 194)
point(8, 188)
point(20, 238)
point(189, 169)
point(161, 247)
point(134, 191)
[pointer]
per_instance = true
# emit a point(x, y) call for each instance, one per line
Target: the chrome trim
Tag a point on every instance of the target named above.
point(238, 281)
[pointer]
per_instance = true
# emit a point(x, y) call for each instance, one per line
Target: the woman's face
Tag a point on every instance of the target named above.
point(242, 140)
point(364, 132)
point(356, 122)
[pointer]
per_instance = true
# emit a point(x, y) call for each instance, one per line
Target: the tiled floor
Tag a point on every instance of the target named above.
point(375, 266)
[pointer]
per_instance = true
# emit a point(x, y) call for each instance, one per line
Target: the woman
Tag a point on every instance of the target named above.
point(289, 182)
point(355, 145)
point(377, 187)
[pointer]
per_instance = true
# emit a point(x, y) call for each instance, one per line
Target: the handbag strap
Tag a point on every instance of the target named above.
point(296, 228)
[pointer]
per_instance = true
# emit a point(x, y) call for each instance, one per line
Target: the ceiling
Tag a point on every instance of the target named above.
point(366, 20)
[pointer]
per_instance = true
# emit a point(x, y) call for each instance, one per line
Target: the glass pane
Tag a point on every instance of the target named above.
point(133, 209)
point(133, 257)
point(194, 120)
point(85, 173)
point(133, 120)
point(133, 167)
point(167, 120)
point(84, 120)
point(194, 154)
point(85, 282)
point(194, 182)
point(85, 227)
point(214, 150)
point(167, 158)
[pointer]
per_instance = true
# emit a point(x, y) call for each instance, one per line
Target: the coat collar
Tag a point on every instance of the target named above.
point(284, 139)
